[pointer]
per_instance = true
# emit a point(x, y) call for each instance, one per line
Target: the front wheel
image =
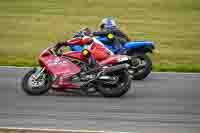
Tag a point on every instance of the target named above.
point(35, 86)
point(121, 86)
point(141, 69)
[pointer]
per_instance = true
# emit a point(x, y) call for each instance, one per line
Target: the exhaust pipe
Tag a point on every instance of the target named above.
point(106, 71)
point(115, 68)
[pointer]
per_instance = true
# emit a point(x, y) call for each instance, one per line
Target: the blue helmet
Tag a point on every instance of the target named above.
point(108, 23)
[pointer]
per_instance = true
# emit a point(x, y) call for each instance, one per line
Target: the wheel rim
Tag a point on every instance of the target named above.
point(141, 64)
point(36, 83)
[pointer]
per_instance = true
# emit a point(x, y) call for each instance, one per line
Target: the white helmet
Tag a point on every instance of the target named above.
point(108, 23)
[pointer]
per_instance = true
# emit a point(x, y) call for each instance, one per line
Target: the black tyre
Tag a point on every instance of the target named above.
point(35, 89)
point(143, 71)
point(116, 90)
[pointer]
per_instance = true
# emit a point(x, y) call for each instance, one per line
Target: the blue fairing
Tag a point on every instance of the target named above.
point(76, 48)
point(109, 46)
point(126, 47)
point(138, 44)
point(103, 39)
point(129, 45)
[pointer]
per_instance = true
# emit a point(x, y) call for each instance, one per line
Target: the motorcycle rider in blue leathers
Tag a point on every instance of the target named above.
point(109, 26)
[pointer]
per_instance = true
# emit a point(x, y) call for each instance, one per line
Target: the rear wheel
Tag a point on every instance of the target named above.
point(144, 67)
point(35, 86)
point(121, 86)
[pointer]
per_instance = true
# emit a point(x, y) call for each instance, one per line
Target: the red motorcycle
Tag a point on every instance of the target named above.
point(72, 71)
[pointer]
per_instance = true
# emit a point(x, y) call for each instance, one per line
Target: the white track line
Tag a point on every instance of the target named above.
point(15, 67)
point(53, 130)
point(176, 72)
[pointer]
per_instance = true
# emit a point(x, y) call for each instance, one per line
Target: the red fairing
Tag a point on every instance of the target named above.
point(110, 60)
point(99, 52)
point(59, 66)
point(74, 41)
point(75, 54)
point(80, 41)
point(63, 84)
point(86, 40)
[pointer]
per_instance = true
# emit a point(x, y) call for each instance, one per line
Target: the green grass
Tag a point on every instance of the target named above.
point(28, 26)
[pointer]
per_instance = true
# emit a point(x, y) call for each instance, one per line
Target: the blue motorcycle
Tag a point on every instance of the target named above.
point(141, 64)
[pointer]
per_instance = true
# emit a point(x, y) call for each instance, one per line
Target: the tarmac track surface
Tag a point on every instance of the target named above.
point(164, 102)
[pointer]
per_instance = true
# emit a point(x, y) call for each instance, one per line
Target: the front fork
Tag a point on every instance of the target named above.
point(38, 72)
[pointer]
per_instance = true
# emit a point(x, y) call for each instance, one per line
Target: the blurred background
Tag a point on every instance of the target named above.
point(29, 26)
